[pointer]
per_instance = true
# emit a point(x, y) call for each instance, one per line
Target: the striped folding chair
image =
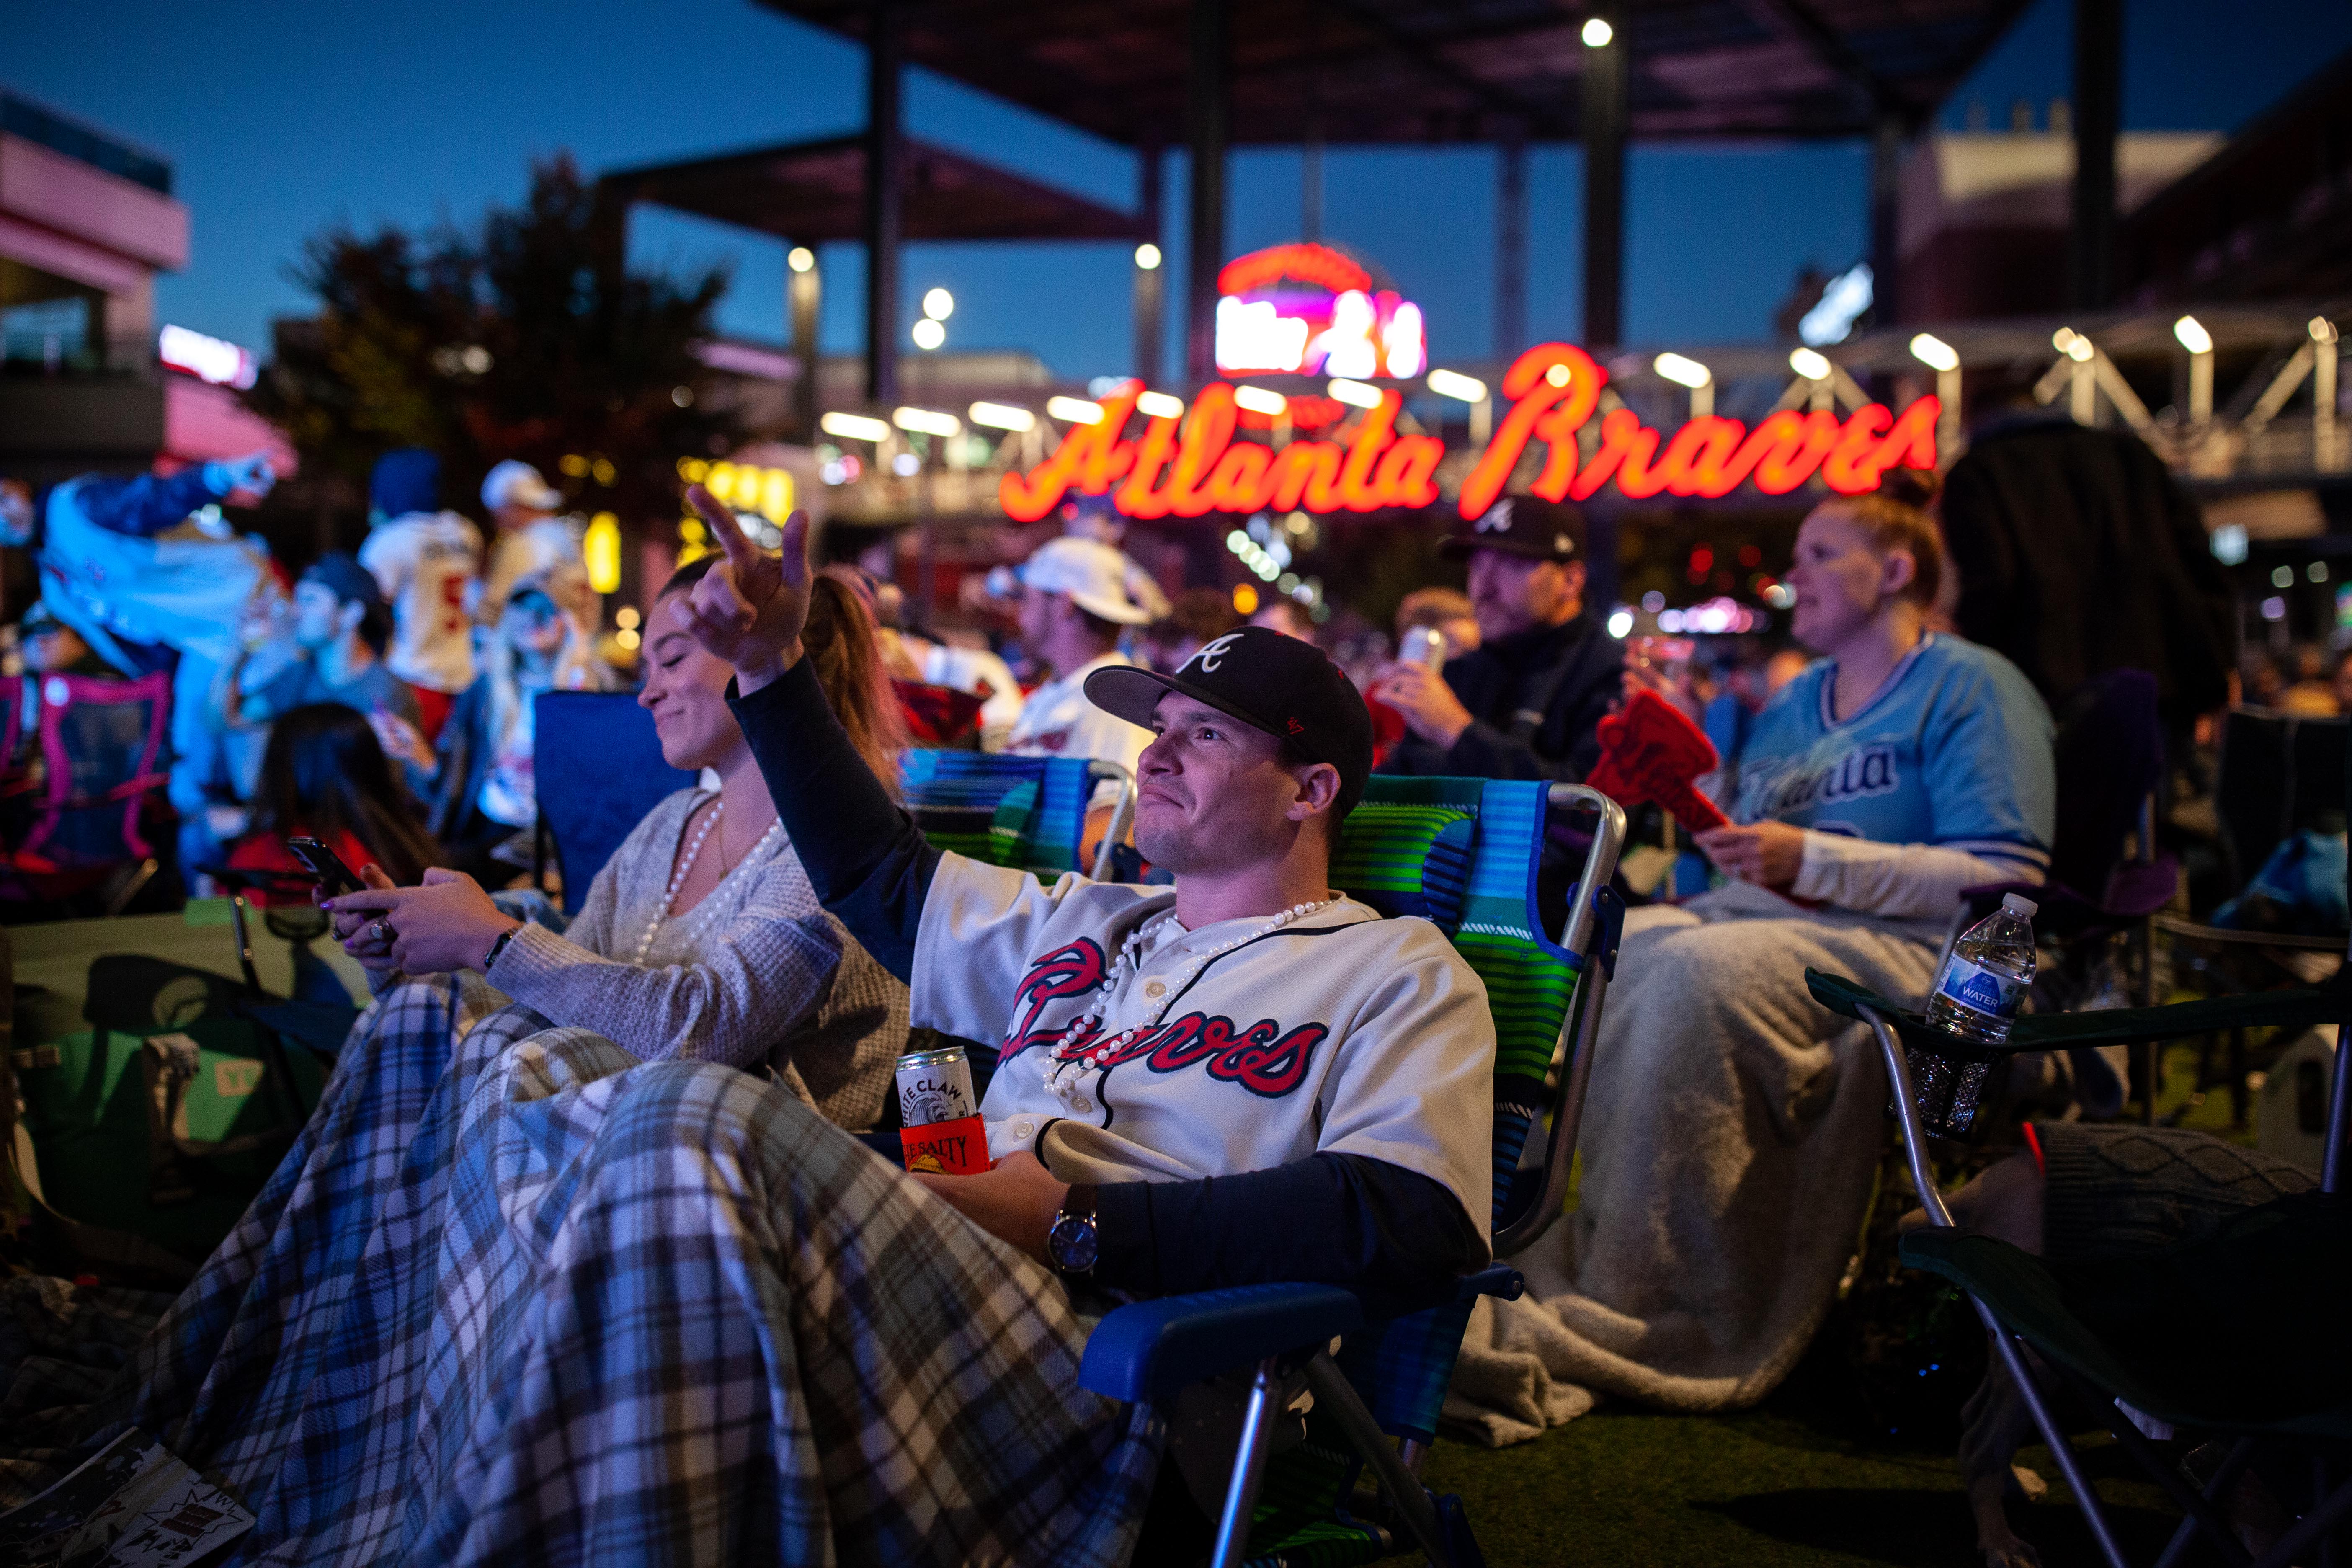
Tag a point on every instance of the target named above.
point(1463, 853)
point(1029, 812)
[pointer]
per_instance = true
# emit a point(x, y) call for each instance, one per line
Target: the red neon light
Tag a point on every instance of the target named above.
point(1192, 467)
point(1316, 264)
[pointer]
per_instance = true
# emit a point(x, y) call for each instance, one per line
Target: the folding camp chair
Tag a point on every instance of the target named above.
point(81, 817)
point(2267, 1296)
point(2110, 761)
point(600, 770)
point(1029, 812)
point(1463, 853)
point(2280, 774)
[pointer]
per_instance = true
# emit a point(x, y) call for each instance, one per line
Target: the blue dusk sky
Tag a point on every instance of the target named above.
point(281, 118)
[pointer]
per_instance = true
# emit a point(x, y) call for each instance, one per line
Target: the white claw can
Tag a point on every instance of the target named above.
point(935, 1086)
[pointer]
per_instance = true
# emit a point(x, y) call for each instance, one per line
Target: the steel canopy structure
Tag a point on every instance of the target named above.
point(815, 192)
point(1391, 71)
point(1207, 75)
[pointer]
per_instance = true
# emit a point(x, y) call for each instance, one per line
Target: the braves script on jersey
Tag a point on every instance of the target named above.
point(1952, 749)
point(1342, 1032)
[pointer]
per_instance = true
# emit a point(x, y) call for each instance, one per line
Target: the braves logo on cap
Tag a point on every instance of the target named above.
point(1211, 654)
point(1498, 519)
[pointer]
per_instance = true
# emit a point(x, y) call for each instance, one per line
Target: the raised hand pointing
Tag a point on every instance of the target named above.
point(750, 608)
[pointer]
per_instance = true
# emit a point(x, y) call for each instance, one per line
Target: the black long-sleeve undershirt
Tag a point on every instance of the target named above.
point(1393, 1235)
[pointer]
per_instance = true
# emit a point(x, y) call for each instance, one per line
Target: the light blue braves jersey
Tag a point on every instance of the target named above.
point(1953, 751)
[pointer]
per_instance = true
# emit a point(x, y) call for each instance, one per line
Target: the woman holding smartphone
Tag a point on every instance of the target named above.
point(701, 939)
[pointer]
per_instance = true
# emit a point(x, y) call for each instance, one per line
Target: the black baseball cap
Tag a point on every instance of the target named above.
point(1522, 525)
point(1268, 681)
point(339, 572)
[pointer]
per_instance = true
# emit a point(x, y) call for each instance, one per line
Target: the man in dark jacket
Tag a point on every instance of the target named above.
point(1523, 704)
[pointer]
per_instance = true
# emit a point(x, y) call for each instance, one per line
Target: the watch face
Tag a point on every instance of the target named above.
point(1073, 1243)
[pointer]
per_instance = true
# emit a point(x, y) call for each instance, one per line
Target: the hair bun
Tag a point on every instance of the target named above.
point(1911, 487)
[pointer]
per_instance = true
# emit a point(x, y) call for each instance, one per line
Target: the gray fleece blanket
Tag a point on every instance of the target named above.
point(1727, 1152)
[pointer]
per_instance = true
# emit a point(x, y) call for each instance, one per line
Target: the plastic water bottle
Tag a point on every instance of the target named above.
point(1983, 983)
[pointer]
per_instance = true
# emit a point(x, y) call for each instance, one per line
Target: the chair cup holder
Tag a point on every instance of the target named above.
point(1948, 1078)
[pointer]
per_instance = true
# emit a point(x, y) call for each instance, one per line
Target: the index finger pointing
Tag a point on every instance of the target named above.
point(740, 550)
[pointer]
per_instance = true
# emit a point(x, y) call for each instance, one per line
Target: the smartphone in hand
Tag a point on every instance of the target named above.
point(326, 866)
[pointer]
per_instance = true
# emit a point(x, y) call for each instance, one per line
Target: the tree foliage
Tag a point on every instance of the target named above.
point(526, 337)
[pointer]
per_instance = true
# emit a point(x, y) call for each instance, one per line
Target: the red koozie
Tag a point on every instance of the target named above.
point(957, 1148)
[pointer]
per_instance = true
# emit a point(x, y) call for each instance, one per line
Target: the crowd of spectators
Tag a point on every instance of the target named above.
point(783, 922)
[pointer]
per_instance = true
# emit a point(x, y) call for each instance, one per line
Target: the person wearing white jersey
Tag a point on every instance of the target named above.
point(428, 562)
point(1247, 1076)
point(1075, 602)
point(533, 540)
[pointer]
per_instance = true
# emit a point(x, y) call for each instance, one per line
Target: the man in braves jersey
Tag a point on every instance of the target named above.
point(1249, 1077)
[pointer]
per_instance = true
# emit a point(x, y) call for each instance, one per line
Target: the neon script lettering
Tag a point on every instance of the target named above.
point(1193, 466)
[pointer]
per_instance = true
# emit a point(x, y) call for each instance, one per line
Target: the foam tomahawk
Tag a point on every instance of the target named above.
point(1650, 751)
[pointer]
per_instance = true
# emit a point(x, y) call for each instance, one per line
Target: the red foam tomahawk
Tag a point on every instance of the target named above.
point(1651, 753)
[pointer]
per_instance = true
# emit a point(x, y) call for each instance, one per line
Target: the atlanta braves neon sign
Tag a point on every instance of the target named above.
point(1193, 466)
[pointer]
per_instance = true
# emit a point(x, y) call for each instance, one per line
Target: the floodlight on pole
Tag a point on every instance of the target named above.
point(1935, 352)
point(938, 304)
point(1944, 361)
point(1074, 410)
point(1160, 406)
point(928, 334)
point(1002, 416)
point(1260, 400)
point(1596, 33)
point(1453, 384)
point(2200, 345)
point(925, 421)
point(1357, 394)
point(1690, 374)
point(853, 427)
point(800, 258)
point(1147, 257)
point(1810, 365)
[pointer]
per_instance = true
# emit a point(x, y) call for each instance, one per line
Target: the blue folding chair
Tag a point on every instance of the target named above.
point(1028, 813)
point(600, 770)
point(1462, 853)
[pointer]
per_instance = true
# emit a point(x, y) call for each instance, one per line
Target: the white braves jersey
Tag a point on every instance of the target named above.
point(1341, 1031)
point(425, 563)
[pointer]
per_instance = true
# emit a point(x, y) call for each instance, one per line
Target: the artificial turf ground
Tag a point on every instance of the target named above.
point(1802, 1481)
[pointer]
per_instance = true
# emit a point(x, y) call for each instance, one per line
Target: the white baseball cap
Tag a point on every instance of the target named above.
point(517, 483)
point(1091, 573)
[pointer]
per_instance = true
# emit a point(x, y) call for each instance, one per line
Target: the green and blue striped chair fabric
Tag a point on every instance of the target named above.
point(1029, 812)
point(1462, 853)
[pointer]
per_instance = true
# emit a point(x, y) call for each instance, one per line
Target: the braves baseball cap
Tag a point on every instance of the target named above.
point(1091, 573)
point(1522, 525)
point(1268, 681)
point(517, 483)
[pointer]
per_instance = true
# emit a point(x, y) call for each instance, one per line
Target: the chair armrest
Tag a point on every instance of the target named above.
point(1150, 1350)
point(1494, 1280)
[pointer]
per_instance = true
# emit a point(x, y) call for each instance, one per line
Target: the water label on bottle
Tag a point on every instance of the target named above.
point(1978, 989)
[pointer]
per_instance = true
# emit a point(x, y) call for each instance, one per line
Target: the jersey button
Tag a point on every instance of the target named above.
point(1155, 988)
point(1025, 1129)
point(1082, 1105)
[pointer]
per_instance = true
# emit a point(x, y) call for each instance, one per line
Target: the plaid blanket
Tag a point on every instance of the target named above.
point(534, 1301)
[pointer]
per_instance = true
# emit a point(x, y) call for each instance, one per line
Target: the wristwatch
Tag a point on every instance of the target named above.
point(1075, 1242)
point(498, 947)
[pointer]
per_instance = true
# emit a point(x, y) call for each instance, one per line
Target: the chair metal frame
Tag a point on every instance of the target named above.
point(2328, 1512)
point(1285, 1319)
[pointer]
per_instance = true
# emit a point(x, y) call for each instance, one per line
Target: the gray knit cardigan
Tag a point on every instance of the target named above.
point(756, 973)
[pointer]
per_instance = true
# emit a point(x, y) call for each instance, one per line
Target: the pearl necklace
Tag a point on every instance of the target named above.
point(686, 866)
point(1130, 962)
